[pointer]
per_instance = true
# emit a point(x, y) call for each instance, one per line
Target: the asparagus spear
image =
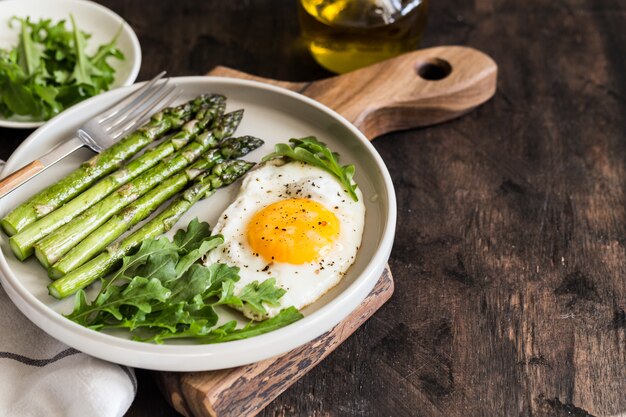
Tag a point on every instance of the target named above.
point(22, 242)
point(50, 249)
point(222, 174)
point(144, 206)
point(106, 161)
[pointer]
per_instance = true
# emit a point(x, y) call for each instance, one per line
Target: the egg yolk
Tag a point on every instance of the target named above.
point(295, 231)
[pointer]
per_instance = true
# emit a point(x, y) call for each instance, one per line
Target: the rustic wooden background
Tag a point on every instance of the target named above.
point(510, 256)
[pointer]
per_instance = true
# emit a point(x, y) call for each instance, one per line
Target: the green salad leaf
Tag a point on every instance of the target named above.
point(313, 152)
point(161, 292)
point(49, 69)
point(255, 295)
point(228, 331)
point(191, 238)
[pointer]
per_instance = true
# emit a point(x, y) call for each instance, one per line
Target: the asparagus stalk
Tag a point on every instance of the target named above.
point(222, 174)
point(144, 206)
point(106, 161)
point(52, 247)
point(22, 242)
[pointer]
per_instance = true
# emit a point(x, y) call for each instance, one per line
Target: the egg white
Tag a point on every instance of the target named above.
point(270, 183)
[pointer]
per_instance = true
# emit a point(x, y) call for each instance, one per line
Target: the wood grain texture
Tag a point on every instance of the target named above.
point(245, 391)
point(392, 95)
point(15, 179)
point(509, 259)
point(401, 99)
point(378, 99)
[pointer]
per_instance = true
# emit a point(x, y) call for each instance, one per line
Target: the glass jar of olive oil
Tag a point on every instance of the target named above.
point(344, 35)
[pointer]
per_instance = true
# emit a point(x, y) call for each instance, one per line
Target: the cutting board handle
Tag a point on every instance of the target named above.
point(416, 89)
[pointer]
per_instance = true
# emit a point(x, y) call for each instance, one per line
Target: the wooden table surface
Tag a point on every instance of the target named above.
point(509, 258)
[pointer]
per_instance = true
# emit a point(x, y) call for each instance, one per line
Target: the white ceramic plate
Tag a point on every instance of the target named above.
point(271, 113)
point(90, 17)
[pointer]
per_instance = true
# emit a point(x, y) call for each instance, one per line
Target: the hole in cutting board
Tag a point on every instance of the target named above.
point(434, 69)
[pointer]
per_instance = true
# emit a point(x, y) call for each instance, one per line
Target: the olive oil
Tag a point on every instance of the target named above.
point(344, 35)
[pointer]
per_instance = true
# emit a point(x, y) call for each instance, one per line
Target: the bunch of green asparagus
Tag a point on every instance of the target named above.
point(73, 226)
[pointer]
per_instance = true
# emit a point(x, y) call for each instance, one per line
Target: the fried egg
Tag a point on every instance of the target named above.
point(293, 222)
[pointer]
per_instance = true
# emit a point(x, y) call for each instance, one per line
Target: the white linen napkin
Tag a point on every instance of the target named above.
point(41, 377)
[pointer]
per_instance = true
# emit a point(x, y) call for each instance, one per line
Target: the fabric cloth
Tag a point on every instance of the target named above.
point(42, 377)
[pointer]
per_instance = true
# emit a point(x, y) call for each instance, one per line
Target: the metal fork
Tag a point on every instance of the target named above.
point(103, 130)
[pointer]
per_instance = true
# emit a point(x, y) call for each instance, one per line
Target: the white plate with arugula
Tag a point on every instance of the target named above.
point(271, 113)
point(43, 73)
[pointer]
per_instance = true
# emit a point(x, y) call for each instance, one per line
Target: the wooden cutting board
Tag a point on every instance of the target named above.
point(416, 89)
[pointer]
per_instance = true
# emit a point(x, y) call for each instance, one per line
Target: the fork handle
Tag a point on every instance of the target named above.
point(22, 175)
point(19, 177)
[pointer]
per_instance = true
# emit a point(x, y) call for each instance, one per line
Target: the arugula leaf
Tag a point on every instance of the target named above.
point(139, 293)
point(155, 260)
point(313, 152)
point(225, 276)
point(168, 319)
point(197, 280)
point(156, 254)
point(19, 99)
point(99, 61)
point(176, 321)
point(191, 238)
point(84, 69)
point(28, 55)
point(253, 295)
point(193, 256)
point(48, 95)
point(196, 329)
point(108, 49)
point(81, 313)
point(161, 292)
point(152, 255)
point(49, 70)
point(228, 332)
point(227, 295)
